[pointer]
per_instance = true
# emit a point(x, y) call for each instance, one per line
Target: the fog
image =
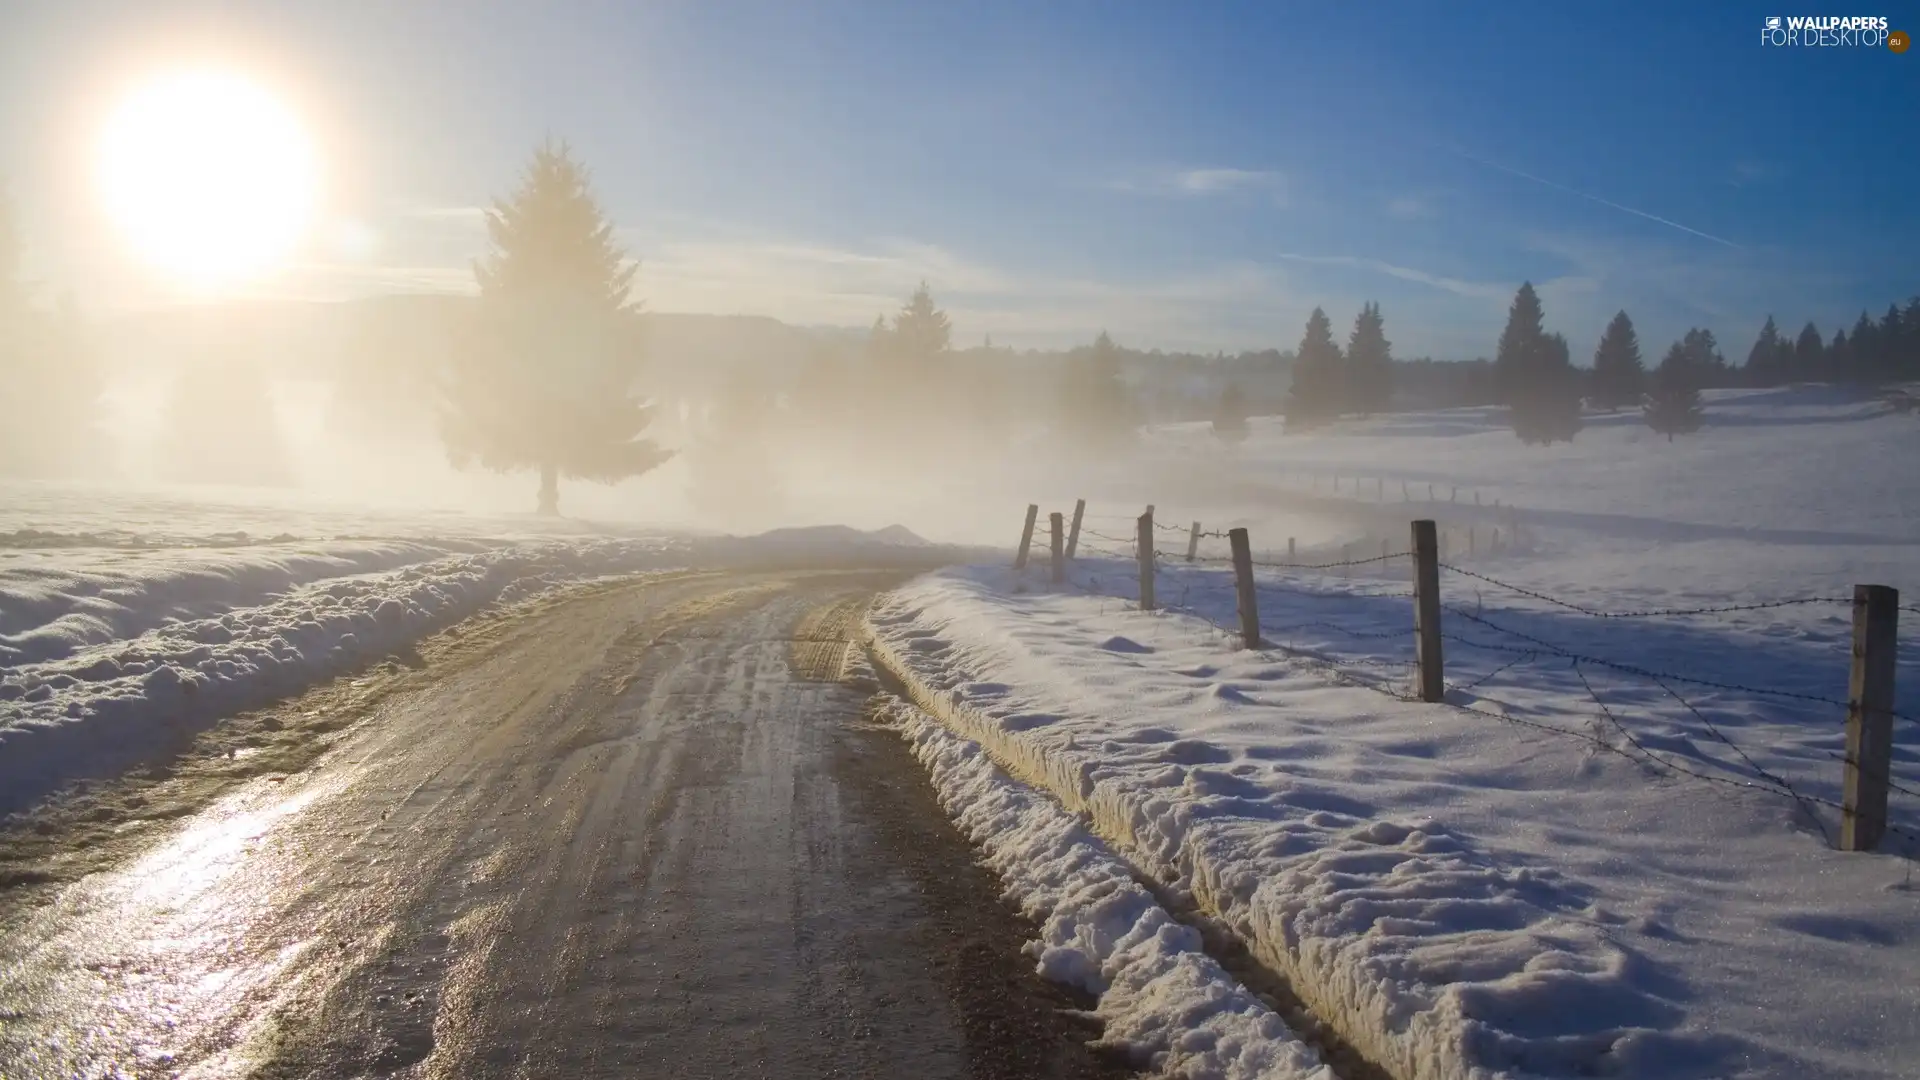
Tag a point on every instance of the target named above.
point(769, 425)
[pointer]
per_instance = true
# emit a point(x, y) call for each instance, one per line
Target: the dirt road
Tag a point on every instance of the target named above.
point(639, 833)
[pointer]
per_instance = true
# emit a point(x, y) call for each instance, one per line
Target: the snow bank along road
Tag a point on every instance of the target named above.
point(632, 834)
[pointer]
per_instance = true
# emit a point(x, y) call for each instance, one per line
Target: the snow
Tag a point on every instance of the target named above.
point(1518, 882)
point(130, 618)
point(1160, 995)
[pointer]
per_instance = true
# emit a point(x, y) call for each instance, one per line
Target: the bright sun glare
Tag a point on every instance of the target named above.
point(210, 177)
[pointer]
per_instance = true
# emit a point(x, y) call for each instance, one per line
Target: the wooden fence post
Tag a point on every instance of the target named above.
point(1476, 498)
point(1026, 537)
point(1455, 496)
point(1249, 601)
point(1073, 534)
point(1494, 545)
point(1426, 612)
point(1405, 495)
point(1863, 799)
point(1379, 489)
point(1193, 542)
point(1383, 553)
point(1058, 521)
point(1346, 556)
point(1289, 549)
point(1429, 492)
point(1143, 550)
point(1470, 541)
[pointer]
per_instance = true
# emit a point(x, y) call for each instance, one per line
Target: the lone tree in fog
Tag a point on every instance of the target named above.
point(1230, 416)
point(1535, 375)
point(1673, 408)
point(1318, 385)
point(1619, 377)
point(1369, 366)
point(546, 381)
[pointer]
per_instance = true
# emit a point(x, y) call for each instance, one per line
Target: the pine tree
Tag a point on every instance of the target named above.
point(546, 380)
point(1894, 345)
point(1673, 408)
point(1230, 416)
point(1314, 397)
point(921, 331)
point(1369, 363)
point(1909, 366)
point(1766, 360)
point(1619, 377)
point(1809, 355)
point(1525, 329)
point(1839, 357)
point(1867, 366)
point(1539, 383)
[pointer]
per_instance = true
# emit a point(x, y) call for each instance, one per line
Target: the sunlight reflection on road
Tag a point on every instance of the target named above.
point(125, 969)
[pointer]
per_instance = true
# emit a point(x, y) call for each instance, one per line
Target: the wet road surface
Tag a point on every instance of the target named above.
point(640, 833)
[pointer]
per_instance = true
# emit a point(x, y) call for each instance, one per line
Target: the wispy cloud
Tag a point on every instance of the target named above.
point(1201, 182)
point(1745, 173)
point(1595, 198)
point(1478, 290)
point(1409, 207)
point(1209, 181)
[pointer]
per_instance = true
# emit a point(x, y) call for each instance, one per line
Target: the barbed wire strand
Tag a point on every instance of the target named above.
point(1776, 787)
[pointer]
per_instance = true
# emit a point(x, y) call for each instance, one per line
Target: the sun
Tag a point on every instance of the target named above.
point(211, 178)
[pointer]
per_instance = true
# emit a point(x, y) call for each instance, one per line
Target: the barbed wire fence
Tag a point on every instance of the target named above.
point(1192, 584)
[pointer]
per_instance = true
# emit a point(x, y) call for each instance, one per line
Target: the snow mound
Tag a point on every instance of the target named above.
point(118, 667)
point(816, 537)
point(1163, 999)
point(1455, 895)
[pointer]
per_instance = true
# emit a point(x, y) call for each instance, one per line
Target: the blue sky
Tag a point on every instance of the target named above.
point(1183, 175)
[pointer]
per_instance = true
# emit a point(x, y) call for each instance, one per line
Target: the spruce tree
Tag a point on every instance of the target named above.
point(1526, 327)
point(1894, 345)
point(1673, 408)
point(921, 331)
point(1618, 375)
point(1539, 383)
point(1909, 365)
point(1314, 398)
point(1230, 416)
point(1369, 363)
point(1764, 360)
point(1867, 365)
point(1809, 355)
point(546, 382)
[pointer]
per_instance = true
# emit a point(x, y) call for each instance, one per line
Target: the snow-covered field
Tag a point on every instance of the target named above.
point(131, 618)
point(1609, 853)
